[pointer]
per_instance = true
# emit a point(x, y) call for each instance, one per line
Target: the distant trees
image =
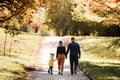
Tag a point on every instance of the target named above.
point(102, 15)
point(68, 17)
point(59, 17)
point(85, 17)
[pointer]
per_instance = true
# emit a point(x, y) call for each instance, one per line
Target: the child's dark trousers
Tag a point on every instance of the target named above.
point(50, 69)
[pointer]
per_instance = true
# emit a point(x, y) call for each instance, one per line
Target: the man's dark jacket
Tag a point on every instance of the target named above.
point(74, 49)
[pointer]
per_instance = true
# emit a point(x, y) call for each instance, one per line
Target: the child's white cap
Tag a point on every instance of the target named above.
point(51, 53)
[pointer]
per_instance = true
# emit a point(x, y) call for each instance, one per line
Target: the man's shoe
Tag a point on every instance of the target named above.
point(72, 74)
point(75, 73)
point(48, 71)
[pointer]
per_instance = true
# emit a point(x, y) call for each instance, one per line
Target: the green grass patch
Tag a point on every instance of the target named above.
point(101, 70)
point(100, 47)
point(10, 69)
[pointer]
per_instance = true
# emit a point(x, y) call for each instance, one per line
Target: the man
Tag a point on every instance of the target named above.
point(75, 54)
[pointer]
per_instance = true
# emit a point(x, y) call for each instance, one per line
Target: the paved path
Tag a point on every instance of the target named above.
point(49, 45)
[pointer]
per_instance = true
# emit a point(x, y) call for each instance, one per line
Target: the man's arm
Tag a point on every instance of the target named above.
point(79, 51)
point(68, 48)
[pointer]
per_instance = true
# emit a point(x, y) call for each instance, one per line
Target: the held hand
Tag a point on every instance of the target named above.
point(66, 57)
point(56, 58)
point(79, 57)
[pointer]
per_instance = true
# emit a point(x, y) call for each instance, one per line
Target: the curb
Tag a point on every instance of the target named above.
point(91, 78)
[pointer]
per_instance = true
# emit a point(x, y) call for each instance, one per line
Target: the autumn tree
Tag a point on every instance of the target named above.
point(12, 29)
point(59, 17)
point(10, 13)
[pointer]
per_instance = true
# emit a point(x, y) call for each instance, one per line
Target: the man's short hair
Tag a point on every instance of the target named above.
point(72, 38)
point(60, 42)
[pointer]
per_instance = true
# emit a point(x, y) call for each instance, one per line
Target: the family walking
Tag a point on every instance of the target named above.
point(62, 53)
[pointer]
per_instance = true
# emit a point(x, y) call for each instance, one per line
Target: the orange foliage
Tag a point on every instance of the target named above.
point(116, 1)
point(94, 5)
point(99, 4)
point(26, 22)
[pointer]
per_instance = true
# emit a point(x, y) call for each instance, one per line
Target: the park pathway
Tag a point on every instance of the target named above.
point(49, 45)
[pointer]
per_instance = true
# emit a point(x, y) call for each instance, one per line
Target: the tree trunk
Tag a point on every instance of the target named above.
point(5, 44)
point(11, 44)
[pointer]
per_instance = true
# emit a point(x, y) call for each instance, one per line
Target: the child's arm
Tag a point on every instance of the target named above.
point(55, 59)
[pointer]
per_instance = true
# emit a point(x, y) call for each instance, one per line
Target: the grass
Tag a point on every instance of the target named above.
point(100, 57)
point(10, 69)
point(14, 64)
point(101, 70)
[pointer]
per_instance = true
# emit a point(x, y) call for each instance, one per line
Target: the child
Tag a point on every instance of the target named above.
point(51, 61)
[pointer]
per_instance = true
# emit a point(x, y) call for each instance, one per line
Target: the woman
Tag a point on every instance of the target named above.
point(60, 56)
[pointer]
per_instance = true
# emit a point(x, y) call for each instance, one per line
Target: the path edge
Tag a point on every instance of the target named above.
point(91, 78)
